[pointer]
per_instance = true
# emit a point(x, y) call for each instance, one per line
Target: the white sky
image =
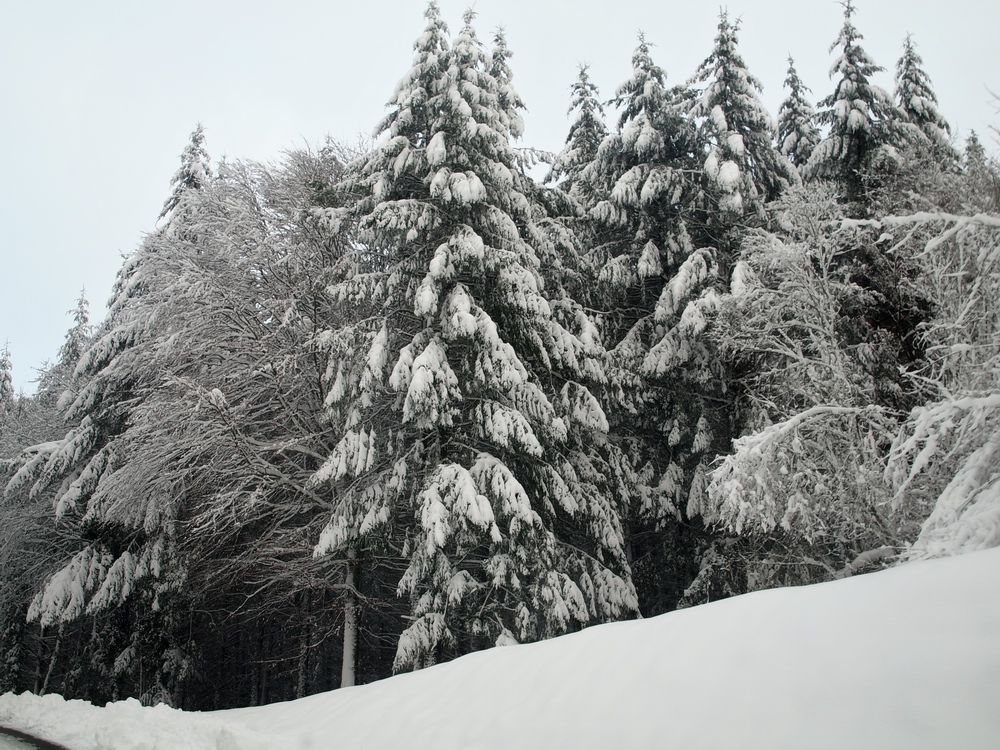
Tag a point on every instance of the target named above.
point(97, 99)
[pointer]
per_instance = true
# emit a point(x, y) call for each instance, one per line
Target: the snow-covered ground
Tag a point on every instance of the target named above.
point(907, 658)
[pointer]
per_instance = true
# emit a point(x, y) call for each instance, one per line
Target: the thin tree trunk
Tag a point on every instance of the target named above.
point(304, 641)
point(265, 667)
point(39, 653)
point(350, 622)
point(255, 650)
point(52, 661)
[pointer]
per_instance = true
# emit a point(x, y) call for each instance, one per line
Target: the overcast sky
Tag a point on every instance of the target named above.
point(98, 98)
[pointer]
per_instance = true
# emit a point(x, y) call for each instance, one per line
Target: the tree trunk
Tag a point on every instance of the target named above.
point(52, 661)
point(254, 650)
point(265, 666)
point(350, 622)
point(304, 641)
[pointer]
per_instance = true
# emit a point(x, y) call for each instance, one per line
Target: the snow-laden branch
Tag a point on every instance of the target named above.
point(924, 217)
point(813, 475)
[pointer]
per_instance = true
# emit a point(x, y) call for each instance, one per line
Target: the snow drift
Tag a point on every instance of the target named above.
point(908, 657)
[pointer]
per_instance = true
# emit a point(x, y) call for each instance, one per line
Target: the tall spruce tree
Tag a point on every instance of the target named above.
point(981, 176)
point(458, 420)
point(918, 102)
point(193, 174)
point(656, 287)
point(798, 135)
point(116, 542)
point(860, 116)
point(78, 337)
point(509, 102)
point(6, 383)
point(585, 136)
point(743, 167)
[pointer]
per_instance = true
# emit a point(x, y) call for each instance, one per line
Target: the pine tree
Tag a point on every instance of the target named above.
point(798, 135)
point(117, 539)
point(509, 102)
point(6, 383)
point(743, 168)
point(982, 176)
point(656, 291)
point(77, 337)
point(585, 136)
point(457, 392)
point(193, 174)
point(917, 101)
point(975, 154)
point(859, 114)
point(57, 377)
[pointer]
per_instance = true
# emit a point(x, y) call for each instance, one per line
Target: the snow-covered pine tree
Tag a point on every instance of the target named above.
point(585, 136)
point(193, 174)
point(118, 542)
point(6, 383)
point(920, 171)
point(860, 155)
point(564, 200)
point(455, 390)
point(743, 167)
point(509, 101)
point(975, 155)
point(78, 337)
point(56, 377)
point(982, 176)
point(656, 290)
point(798, 135)
point(859, 114)
point(918, 102)
point(642, 174)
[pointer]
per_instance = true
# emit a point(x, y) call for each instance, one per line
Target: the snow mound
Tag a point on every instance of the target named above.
point(905, 658)
point(126, 725)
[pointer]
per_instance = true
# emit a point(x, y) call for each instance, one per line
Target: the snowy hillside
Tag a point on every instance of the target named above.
point(906, 658)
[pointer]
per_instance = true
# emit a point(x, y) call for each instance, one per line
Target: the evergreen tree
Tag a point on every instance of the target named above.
point(6, 383)
point(457, 393)
point(118, 540)
point(917, 101)
point(798, 135)
point(656, 291)
point(975, 154)
point(981, 176)
point(193, 174)
point(859, 114)
point(585, 136)
point(509, 102)
point(78, 337)
point(743, 167)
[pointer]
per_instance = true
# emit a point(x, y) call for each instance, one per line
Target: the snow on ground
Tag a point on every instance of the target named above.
point(906, 658)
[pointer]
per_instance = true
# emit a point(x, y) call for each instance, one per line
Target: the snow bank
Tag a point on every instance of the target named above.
point(909, 657)
point(126, 725)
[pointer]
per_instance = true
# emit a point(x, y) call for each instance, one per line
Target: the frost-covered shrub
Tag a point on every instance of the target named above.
point(946, 459)
point(803, 487)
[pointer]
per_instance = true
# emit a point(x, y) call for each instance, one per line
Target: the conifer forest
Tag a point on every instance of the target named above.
point(390, 402)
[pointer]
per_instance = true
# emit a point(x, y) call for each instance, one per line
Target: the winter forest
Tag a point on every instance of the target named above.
point(392, 402)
